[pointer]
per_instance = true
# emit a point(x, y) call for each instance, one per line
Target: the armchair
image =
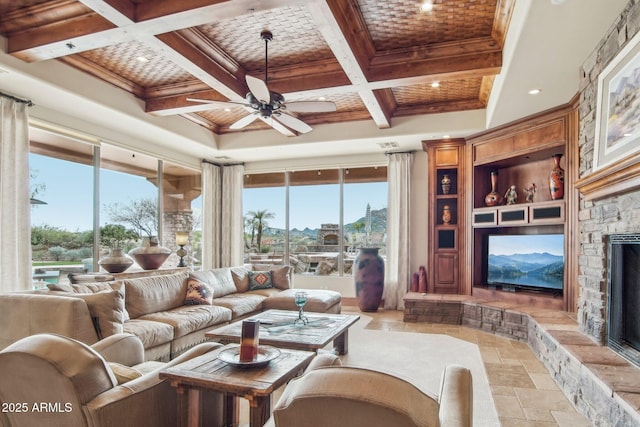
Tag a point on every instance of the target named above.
point(51, 380)
point(357, 397)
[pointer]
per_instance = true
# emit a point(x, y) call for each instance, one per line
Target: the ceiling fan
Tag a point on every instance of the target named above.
point(270, 106)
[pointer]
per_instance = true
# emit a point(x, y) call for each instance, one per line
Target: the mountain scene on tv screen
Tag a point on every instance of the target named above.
point(527, 269)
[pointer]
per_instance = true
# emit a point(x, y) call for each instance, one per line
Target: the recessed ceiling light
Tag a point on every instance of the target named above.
point(142, 59)
point(322, 98)
point(534, 91)
point(426, 6)
point(446, 136)
point(435, 84)
point(227, 109)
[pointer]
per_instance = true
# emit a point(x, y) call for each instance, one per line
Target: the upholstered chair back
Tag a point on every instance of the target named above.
point(51, 377)
point(354, 397)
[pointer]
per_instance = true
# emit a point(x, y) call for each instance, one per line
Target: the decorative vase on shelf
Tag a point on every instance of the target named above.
point(116, 262)
point(446, 184)
point(446, 214)
point(556, 179)
point(368, 275)
point(493, 198)
point(150, 255)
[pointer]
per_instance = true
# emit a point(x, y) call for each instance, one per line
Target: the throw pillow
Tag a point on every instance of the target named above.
point(198, 293)
point(92, 288)
point(260, 280)
point(124, 373)
point(240, 278)
point(107, 311)
point(280, 274)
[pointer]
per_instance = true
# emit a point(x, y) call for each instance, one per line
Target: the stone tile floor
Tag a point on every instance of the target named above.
point(524, 392)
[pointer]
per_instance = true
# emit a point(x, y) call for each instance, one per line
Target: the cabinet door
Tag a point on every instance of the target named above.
point(446, 273)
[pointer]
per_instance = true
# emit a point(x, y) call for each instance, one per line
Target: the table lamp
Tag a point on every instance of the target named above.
point(182, 238)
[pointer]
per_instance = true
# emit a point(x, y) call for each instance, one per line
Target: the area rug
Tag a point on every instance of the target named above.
point(420, 359)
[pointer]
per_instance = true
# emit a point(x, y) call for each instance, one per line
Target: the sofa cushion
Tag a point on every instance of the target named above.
point(241, 303)
point(156, 293)
point(188, 318)
point(150, 333)
point(60, 287)
point(107, 311)
point(219, 279)
point(260, 280)
point(198, 292)
point(89, 278)
point(318, 300)
point(280, 274)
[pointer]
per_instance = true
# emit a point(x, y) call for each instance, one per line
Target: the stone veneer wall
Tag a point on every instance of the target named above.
point(613, 215)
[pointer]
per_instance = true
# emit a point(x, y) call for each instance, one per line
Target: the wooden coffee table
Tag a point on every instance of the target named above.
point(277, 329)
point(208, 373)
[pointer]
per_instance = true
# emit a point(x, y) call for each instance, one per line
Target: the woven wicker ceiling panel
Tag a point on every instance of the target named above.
point(295, 42)
point(122, 59)
point(396, 24)
point(451, 90)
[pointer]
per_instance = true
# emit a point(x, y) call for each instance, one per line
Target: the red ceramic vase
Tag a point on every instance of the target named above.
point(556, 179)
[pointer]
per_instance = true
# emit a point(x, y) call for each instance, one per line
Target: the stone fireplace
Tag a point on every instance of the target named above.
point(609, 215)
point(623, 290)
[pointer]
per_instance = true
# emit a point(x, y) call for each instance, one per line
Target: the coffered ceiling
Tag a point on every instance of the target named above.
point(379, 61)
point(375, 60)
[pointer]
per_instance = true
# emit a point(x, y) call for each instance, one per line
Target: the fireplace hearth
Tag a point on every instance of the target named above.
point(623, 302)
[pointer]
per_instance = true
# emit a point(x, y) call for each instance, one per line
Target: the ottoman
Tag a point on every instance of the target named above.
point(318, 300)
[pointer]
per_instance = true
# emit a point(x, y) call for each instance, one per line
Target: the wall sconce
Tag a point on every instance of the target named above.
point(182, 239)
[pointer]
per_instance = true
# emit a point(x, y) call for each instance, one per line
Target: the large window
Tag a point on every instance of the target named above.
point(315, 220)
point(145, 195)
point(61, 197)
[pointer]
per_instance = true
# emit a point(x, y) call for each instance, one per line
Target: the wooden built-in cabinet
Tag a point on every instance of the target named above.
point(521, 153)
point(446, 240)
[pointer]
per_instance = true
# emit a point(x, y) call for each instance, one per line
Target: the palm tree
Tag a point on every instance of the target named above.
point(258, 220)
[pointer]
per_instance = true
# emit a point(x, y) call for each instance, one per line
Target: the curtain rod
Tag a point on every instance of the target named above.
point(400, 152)
point(15, 98)
point(211, 162)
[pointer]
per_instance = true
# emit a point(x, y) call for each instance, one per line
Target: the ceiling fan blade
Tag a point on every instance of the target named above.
point(259, 89)
point(277, 126)
point(311, 106)
point(293, 123)
point(218, 104)
point(244, 121)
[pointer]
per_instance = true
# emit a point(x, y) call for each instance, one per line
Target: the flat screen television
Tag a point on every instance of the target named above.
point(526, 262)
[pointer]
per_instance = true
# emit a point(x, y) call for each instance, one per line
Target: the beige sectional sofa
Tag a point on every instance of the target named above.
point(160, 310)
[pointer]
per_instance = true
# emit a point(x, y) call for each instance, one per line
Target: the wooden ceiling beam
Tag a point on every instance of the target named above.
point(104, 23)
point(342, 27)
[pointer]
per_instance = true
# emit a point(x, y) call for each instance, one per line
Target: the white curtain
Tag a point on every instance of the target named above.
point(15, 207)
point(222, 224)
point(398, 265)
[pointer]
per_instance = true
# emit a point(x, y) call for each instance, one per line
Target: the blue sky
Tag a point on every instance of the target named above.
point(69, 197)
point(312, 206)
point(530, 243)
point(69, 192)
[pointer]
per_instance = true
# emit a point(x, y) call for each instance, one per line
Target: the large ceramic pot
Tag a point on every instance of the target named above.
point(116, 262)
point(150, 255)
point(368, 274)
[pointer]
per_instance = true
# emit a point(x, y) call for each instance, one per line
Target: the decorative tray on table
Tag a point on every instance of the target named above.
point(231, 355)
